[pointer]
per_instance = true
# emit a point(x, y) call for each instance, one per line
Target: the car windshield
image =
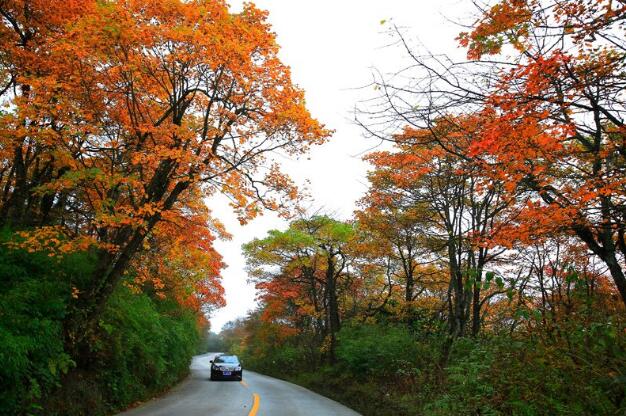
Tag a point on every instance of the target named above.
point(227, 359)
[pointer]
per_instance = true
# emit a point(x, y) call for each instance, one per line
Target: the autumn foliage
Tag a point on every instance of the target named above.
point(557, 130)
point(119, 120)
point(482, 273)
point(484, 268)
point(122, 116)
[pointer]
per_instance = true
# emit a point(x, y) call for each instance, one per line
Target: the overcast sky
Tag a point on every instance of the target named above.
point(332, 47)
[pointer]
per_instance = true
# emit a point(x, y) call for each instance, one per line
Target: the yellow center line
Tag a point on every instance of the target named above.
point(255, 405)
point(243, 383)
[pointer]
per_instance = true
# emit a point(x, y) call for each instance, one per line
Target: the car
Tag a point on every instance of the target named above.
point(226, 367)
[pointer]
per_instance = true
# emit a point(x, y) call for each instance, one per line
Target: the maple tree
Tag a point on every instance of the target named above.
point(116, 110)
point(558, 131)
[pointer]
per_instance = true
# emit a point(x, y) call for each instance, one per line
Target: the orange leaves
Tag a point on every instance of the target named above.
point(138, 84)
point(127, 115)
point(515, 22)
point(506, 19)
point(179, 259)
point(54, 241)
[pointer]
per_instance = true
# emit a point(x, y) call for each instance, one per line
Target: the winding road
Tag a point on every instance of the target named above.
point(255, 395)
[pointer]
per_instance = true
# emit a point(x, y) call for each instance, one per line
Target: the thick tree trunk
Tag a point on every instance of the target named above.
point(617, 273)
point(606, 252)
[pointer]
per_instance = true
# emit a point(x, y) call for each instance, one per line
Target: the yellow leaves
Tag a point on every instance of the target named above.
point(54, 241)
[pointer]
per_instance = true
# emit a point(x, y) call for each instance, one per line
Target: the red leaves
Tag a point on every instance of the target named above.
point(509, 18)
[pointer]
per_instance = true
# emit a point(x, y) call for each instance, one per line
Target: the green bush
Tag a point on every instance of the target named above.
point(468, 386)
point(380, 350)
point(142, 346)
point(34, 294)
point(404, 373)
point(279, 361)
point(524, 377)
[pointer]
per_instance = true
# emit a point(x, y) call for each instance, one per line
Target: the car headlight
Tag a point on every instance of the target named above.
point(238, 368)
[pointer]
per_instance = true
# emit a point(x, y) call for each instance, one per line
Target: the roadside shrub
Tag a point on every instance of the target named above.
point(34, 294)
point(143, 344)
point(468, 384)
point(526, 377)
point(580, 374)
point(534, 378)
point(379, 350)
point(279, 361)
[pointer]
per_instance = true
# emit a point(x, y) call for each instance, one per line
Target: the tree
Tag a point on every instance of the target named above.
point(397, 232)
point(557, 137)
point(460, 208)
point(178, 259)
point(118, 109)
point(303, 270)
point(547, 79)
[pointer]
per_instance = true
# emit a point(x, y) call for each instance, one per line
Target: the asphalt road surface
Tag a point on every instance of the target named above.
point(255, 395)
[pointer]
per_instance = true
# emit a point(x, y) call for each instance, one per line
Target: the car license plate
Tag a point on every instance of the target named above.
point(226, 373)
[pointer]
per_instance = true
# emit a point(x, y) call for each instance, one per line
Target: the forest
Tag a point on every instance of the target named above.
point(482, 273)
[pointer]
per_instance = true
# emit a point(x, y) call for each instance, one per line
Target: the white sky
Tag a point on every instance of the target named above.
point(332, 47)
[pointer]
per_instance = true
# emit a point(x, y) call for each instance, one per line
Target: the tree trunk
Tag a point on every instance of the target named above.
point(458, 320)
point(617, 273)
point(410, 287)
point(107, 275)
point(333, 306)
point(606, 252)
point(476, 306)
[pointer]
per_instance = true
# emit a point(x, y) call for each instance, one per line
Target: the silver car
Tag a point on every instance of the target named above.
point(226, 367)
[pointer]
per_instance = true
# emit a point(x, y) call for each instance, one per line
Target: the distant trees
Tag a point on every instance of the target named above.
point(398, 236)
point(302, 274)
point(459, 210)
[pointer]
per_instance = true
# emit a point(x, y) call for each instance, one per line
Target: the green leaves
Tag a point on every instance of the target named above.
point(299, 243)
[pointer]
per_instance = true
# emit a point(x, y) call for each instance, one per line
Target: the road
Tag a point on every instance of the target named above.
point(255, 395)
